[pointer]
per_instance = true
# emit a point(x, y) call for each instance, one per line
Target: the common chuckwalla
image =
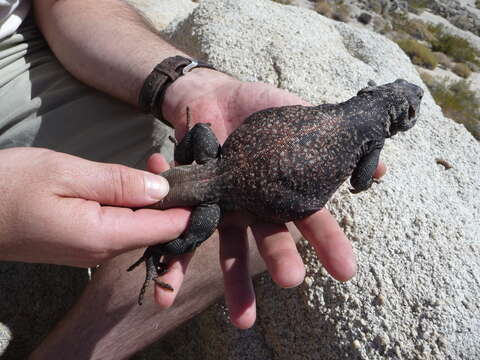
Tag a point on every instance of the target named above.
point(282, 164)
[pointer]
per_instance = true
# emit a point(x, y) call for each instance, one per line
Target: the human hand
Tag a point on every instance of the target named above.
point(56, 209)
point(225, 102)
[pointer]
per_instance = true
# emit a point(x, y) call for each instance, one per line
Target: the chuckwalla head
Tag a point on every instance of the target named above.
point(405, 98)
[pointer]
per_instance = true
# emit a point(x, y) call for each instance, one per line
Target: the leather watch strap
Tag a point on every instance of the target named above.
point(162, 76)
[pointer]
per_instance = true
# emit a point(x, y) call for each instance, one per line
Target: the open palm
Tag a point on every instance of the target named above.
point(225, 104)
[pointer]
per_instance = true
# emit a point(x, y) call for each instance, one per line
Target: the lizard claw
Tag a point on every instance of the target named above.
point(154, 269)
point(356, 191)
point(164, 285)
point(138, 262)
point(189, 119)
point(173, 140)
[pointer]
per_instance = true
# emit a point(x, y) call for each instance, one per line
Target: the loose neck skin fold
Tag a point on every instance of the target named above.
point(369, 114)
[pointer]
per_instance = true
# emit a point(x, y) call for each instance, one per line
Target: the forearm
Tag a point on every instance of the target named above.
point(104, 43)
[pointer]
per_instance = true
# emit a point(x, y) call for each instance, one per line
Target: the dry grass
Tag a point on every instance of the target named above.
point(418, 53)
point(456, 47)
point(417, 6)
point(444, 60)
point(462, 70)
point(336, 10)
point(341, 13)
point(323, 7)
point(415, 28)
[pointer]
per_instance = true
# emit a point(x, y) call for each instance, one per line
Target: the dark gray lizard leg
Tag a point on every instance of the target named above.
point(203, 222)
point(154, 268)
point(199, 144)
point(362, 176)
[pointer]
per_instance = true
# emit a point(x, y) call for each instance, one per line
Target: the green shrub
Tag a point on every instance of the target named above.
point(477, 4)
point(376, 6)
point(418, 53)
point(437, 29)
point(415, 28)
point(462, 70)
point(457, 101)
point(456, 47)
point(417, 6)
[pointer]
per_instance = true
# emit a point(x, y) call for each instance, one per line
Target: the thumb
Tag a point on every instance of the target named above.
point(118, 185)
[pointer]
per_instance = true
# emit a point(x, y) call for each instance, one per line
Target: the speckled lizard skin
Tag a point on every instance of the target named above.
point(282, 164)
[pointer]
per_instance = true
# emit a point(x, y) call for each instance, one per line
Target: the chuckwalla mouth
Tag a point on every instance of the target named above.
point(411, 112)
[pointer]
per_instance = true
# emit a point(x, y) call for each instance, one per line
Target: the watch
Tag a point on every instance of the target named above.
point(163, 75)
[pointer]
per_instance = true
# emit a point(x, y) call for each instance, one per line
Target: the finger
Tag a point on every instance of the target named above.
point(380, 170)
point(177, 267)
point(110, 184)
point(124, 229)
point(278, 250)
point(330, 243)
point(239, 293)
point(157, 164)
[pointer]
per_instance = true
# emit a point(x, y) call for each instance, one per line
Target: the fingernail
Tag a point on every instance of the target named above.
point(156, 186)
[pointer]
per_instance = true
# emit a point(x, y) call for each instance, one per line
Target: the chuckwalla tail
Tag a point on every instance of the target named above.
point(190, 185)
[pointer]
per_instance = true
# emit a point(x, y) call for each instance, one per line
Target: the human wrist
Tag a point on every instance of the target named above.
point(163, 75)
point(189, 89)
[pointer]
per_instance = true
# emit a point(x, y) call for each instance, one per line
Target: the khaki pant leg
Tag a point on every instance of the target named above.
point(41, 105)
